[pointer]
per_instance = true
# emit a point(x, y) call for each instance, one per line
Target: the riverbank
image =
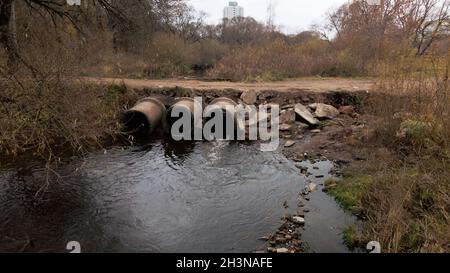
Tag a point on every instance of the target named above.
point(100, 117)
point(411, 187)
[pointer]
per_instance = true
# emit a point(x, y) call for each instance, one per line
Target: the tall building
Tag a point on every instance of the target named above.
point(73, 2)
point(233, 11)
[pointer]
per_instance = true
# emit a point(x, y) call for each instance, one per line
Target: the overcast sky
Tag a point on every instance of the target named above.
point(293, 15)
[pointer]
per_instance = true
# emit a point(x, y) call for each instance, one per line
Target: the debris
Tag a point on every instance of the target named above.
point(282, 250)
point(298, 220)
point(249, 97)
point(287, 116)
point(312, 187)
point(305, 114)
point(285, 127)
point(313, 106)
point(325, 111)
point(289, 143)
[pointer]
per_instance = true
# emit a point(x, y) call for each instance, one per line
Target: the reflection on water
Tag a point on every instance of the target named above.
point(163, 197)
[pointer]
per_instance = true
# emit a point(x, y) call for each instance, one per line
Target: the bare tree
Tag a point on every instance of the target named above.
point(430, 18)
point(55, 9)
point(419, 21)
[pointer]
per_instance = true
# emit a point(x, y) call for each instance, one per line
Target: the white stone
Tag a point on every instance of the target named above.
point(289, 143)
point(249, 97)
point(326, 111)
point(312, 187)
point(282, 250)
point(305, 114)
point(298, 220)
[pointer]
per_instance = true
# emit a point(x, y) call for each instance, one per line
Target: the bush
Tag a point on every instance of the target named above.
point(52, 116)
point(279, 59)
point(404, 191)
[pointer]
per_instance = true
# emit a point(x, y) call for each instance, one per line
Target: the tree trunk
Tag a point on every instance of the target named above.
point(8, 37)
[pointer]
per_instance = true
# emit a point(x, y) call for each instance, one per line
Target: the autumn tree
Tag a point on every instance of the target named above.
point(129, 21)
point(366, 27)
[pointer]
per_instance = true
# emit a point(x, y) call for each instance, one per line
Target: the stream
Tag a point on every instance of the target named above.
point(165, 197)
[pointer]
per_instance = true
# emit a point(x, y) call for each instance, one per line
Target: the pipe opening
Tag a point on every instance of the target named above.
point(135, 123)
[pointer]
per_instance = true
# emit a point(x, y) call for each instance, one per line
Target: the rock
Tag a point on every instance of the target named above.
point(280, 240)
point(305, 114)
point(288, 106)
point(302, 126)
point(249, 97)
point(347, 110)
point(316, 131)
point(271, 250)
point(289, 143)
point(303, 169)
point(287, 116)
point(285, 127)
point(325, 111)
point(282, 250)
point(312, 187)
point(298, 220)
point(305, 99)
point(313, 106)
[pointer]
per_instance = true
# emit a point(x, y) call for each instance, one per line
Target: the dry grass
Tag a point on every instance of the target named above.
point(55, 115)
point(279, 60)
point(403, 190)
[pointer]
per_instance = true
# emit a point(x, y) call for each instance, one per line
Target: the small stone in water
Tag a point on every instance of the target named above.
point(282, 250)
point(312, 187)
point(271, 250)
point(299, 220)
point(289, 143)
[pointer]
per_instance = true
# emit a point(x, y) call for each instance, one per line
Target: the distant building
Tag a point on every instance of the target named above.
point(233, 11)
point(73, 2)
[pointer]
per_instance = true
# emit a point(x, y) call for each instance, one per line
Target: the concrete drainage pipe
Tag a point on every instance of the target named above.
point(228, 108)
point(182, 107)
point(147, 115)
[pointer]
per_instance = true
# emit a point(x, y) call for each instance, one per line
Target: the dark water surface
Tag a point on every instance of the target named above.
point(164, 197)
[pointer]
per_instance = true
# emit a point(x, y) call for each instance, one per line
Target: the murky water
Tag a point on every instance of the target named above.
point(164, 197)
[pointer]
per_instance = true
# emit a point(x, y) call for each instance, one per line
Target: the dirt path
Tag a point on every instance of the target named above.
point(315, 85)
